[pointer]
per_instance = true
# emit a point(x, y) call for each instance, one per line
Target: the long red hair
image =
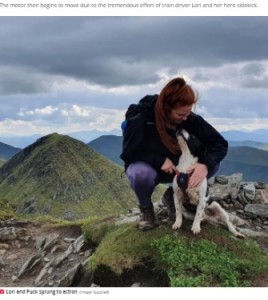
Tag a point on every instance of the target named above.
point(176, 92)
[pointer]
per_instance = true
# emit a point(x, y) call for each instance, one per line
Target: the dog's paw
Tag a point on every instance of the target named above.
point(177, 225)
point(196, 229)
point(240, 235)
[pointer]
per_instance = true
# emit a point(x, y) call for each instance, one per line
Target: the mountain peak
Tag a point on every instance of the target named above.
point(62, 176)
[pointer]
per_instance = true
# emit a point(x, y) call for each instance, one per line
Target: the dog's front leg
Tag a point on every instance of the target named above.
point(196, 227)
point(178, 199)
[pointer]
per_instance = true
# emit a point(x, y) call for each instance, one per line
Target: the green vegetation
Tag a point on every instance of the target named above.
point(204, 263)
point(2, 161)
point(6, 211)
point(214, 259)
point(120, 247)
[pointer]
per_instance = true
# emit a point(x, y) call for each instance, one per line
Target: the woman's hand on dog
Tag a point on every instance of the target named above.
point(198, 172)
point(168, 166)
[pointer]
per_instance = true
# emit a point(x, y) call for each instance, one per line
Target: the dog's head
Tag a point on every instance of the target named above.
point(182, 137)
point(192, 142)
point(182, 133)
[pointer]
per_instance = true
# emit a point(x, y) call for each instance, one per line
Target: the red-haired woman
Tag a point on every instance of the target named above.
point(151, 151)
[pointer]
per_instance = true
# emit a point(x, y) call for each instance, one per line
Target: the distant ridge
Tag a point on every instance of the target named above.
point(85, 136)
point(252, 144)
point(248, 155)
point(260, 135)
point(110, 146)
point(20, 141)
point(63, 177)
point(7, 151)
point(252, 162)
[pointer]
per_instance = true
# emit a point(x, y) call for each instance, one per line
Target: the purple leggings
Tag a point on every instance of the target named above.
point(144, 178)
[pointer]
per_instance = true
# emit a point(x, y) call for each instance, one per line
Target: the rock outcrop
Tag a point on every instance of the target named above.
point(245, 199)
point(35, 255)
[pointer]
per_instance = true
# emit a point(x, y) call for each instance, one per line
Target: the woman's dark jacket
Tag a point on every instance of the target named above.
point(141, 141)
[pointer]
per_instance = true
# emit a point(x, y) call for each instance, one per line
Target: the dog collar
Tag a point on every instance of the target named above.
point(182, 180)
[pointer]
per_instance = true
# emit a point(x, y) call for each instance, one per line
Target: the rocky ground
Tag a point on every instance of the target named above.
point(33, 254)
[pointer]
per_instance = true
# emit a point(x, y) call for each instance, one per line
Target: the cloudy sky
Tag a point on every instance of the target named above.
point(69, 74)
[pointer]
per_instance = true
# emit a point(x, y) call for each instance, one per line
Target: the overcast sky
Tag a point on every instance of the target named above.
point(69, 74)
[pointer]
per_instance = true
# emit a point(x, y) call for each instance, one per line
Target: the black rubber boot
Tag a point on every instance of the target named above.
point(168, 201)
point(147, 218)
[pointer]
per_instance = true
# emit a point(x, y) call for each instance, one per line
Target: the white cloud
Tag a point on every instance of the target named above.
point(44, 111)
point(58, 80)
point(230, 75)
point(81, 112)
point(87, 118)
point(242, 124)
point(19, 127)
point(65, 119)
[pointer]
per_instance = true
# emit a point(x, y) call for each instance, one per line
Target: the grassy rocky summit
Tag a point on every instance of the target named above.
point(68, 219)
point(110, 252)
point(62, 177)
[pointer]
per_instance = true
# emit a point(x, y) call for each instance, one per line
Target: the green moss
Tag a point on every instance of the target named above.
point(214, 258)
point(121, 247)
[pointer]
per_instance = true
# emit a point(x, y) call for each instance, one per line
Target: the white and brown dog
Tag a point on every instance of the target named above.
point(195, 196)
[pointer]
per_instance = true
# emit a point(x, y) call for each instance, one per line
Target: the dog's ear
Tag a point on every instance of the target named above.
point(195, 146)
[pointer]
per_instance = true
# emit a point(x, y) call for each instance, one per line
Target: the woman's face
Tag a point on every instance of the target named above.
point(180, 113)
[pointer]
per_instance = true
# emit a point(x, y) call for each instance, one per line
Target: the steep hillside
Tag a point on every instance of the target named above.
point(7, 151)
point(2, 161)
point(248, 155)
point(250, 172)
point(62, 177)
point(110, 146)
point(253, 163)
